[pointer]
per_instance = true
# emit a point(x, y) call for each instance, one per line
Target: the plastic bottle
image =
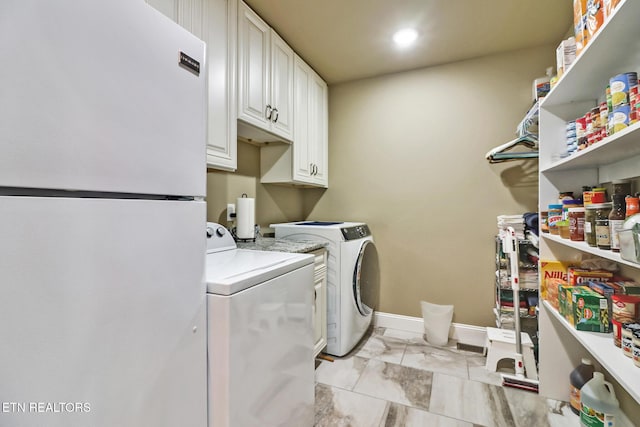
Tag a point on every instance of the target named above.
point(599, 404)
point(578, 378)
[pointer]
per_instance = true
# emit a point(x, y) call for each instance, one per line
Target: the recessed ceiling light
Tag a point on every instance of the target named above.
point(405, 37)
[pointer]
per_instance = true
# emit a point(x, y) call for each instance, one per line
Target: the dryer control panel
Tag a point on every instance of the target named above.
point(355, 232)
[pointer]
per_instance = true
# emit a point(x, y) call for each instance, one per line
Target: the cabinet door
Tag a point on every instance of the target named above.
point(320, 301)
point(303, 160)
point(190, 14)
point(318, 129)
point(319, 317)
point(281, 87)
point(169, 8)
point(253, 68)
point(221, 40)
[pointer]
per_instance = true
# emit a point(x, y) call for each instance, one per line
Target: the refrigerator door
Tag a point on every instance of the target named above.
point(102, 313)
point(94, 98)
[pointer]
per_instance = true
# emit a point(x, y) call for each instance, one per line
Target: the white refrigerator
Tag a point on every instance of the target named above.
point(102, 216)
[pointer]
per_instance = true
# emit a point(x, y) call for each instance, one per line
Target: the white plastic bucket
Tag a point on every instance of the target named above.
point(437, 322)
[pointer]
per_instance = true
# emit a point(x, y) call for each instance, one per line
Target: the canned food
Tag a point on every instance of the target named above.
point(620, 119)
point(627, 337)
point(620, 86)
point(636, 348)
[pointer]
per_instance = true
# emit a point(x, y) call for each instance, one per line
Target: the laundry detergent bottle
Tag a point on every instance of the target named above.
point(599, 404)
point(578, 378)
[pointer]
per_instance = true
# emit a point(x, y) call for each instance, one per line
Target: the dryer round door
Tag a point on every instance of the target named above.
point(366, 279)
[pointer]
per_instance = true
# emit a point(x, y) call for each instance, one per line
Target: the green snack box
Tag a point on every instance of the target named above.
point(565, 305)
point(590, 310)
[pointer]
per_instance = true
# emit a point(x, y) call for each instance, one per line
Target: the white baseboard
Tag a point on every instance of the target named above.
point(465, 334)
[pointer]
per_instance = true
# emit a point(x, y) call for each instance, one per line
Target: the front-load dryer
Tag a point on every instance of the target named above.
point(352, 277)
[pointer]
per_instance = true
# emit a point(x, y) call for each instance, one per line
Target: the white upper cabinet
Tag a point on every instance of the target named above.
point(281, 87)
point(222, 136)
point(310, 131)
point(214, 21)
point(304, 162)
point(265, 80)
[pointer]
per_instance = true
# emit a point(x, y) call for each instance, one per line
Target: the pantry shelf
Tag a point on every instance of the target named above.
point(601, 347)
point(584, 247)
point(613, 50)
point(617, 42)
point(617, 147)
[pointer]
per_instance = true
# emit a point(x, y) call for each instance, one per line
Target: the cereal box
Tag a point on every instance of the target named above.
point(609, 6)
point(595, 16)
point(580, 24)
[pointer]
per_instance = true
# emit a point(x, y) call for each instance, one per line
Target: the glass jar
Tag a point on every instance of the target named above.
point(616, 220)
point(544, 226)
point(565, 195)
point(586, 195)
point(555, 215)
point(576, 224)
point(598, 195)
point(563, 228)
point(603, 236)
point(621, 186)
point(590, 224)
point(633, 206)
point(567, 204)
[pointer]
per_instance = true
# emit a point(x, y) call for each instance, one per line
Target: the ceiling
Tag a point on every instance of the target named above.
point(346, 40)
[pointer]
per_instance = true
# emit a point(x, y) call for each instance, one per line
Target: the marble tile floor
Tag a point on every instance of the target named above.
point(396, 379)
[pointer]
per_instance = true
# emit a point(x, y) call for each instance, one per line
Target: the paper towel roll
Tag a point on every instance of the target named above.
point(245, 217)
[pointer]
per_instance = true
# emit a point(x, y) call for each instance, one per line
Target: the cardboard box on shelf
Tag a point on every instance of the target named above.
point(595, 16)
point(580, 276)
point(580, 24)
point(625, 286)
point(590, 310)
point(609, 7)
point(551, 270)
point(550, 287)
point(565, 55)
point(565, 302)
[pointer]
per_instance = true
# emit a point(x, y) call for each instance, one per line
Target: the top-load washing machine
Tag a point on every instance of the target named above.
point(260, 335)
point(352, 277)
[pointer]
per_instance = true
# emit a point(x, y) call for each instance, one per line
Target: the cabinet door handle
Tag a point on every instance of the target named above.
point(268, 111)
point(315, 169)
point(274, 120)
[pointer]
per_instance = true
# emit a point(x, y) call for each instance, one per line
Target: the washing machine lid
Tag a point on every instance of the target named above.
point(234, 270)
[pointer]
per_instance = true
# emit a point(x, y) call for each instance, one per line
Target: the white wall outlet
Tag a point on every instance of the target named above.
point(231, 210)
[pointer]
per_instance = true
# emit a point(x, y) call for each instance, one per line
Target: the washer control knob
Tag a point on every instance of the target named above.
point(209, 232)
point(221, 231)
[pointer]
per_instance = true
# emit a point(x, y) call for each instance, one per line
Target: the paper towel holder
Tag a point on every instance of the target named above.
point(245, 228)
